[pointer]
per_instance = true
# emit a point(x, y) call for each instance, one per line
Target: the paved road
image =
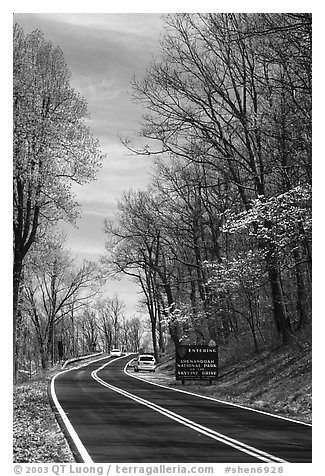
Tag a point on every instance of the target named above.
point(121, 419)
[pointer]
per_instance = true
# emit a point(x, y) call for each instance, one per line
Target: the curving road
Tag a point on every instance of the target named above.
point(110, 416)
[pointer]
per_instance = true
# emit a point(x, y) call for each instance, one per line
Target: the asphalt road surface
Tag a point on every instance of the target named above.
point(118, 418)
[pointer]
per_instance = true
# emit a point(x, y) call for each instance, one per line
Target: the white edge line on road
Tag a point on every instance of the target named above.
point(259, 454)
point(215, 399)
point(80, 447)
point(72, 432)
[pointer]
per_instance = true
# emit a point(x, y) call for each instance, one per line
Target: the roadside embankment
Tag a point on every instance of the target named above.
point(276, 381)
point(37, 437)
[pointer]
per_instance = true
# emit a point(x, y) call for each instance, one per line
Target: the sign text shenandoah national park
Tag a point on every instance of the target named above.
point(196, 362)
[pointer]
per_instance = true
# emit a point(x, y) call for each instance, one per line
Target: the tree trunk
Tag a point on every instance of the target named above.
point(154, 337)
point(17, 274)
point(301, 293)
point(161, 325)
point(171, 324)
point(45, 358)
point(43, 351)
point(282, 322)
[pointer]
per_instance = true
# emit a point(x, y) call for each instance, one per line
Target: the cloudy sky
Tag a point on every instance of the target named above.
point(103, 51)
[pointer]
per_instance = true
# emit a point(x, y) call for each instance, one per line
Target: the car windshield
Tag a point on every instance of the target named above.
point(146, 358)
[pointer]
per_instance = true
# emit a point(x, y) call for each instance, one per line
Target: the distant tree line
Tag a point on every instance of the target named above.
point(220, 242)
point(63, 313)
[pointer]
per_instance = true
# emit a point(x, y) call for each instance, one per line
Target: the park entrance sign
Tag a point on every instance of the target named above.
point(196, 362)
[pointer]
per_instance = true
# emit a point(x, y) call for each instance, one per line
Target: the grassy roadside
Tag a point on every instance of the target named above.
point(37, 437)
point(276, 381)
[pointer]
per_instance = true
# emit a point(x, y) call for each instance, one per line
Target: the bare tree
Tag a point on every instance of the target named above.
point(135, 333)
point(52, 144)
point(53, 283)
point(115, 308)
point(104, 322)
point(89, 329)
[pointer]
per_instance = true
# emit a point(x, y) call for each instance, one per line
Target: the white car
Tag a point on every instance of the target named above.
point(115, 353)
point(145, 362)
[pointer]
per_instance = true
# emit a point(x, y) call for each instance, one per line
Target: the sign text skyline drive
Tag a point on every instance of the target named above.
point(196, 362)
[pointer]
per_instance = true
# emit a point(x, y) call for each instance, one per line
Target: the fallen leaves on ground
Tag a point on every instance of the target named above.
point(37, 437)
